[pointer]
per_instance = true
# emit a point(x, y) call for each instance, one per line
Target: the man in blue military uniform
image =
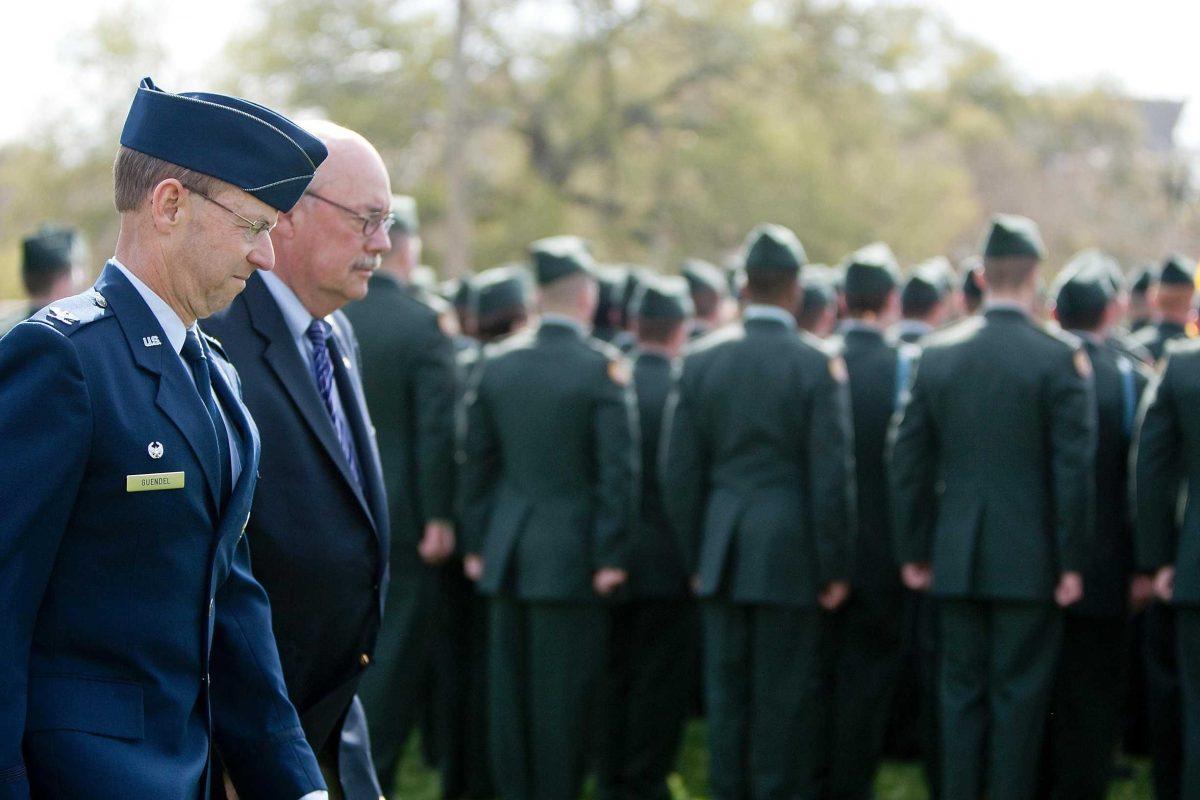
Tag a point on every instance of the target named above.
point(135, 639)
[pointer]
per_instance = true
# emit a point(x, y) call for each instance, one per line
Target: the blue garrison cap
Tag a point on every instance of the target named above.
point(242, 143)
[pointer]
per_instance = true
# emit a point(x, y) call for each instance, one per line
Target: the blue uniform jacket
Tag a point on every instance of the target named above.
point(133, 634)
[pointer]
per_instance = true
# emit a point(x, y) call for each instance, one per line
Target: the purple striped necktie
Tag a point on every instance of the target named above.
point(322, 367)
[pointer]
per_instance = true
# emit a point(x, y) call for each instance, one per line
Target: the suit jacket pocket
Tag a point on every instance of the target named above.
point(80, 703)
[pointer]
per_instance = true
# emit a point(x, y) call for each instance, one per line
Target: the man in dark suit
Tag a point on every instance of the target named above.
point(1173, 302)
point(319, 528)
point(408, 380)
point(1166, 546)
point(547, 480)
point(757, 483)
point(992, 491)
point(866, 633)
point(1086, 705)
point(135, 641)
point(647, 683)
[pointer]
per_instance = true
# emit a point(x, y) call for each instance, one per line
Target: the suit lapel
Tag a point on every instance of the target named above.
point(285, 361)
point(177, 395)
point(246, 435)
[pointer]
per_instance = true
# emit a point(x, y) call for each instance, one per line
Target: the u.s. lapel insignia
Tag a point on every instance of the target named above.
point(151, 341)
point(155, 449)
point(1083, 364)
point(62, 315)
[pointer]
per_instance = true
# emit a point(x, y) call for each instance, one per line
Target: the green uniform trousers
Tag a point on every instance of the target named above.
point(1085, 708)
point(1187, 632)
point(864, 652)
point(644, 698)
point(1163, 700)
point(544, 660)
point(998, 667)
point(763, 691)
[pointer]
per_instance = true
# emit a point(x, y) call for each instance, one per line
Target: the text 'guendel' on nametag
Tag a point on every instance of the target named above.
point(153, 481)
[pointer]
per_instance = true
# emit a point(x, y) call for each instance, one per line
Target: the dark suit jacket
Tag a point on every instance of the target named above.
point(874, 373)
point(1119, 383)
point(119, 604)
point(1003, 412)
point(758, 476)
point(656, 565)
point(549, 464)
point(1168, 461)
point(319, 544)
point(408, 379)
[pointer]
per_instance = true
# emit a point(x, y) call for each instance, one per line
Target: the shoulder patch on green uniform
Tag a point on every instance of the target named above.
point(618, 372)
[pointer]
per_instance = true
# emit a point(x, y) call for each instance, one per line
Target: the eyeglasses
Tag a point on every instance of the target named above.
point(256, 227)
point(370, 222)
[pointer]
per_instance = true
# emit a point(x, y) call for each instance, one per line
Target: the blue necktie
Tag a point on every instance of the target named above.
point(193, 353)
point(322, 366)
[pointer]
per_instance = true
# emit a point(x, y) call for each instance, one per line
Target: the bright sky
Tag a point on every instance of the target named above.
point(1149, 47)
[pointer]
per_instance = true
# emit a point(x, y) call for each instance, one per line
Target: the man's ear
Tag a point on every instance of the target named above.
point(285, 226)
point(169, 204)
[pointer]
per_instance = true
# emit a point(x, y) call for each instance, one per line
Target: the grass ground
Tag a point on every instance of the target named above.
point(897, 780)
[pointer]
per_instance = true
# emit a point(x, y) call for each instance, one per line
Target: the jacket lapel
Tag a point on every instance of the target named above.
point(284, 360)
point(177, 395)
point(237, 509)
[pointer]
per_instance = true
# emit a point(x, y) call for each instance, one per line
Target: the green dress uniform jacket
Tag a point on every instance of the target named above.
point(409, 382)
point(992, 483)
point(1167, 464)
point(547, 479)
point(757, 483)
point(1154, 337)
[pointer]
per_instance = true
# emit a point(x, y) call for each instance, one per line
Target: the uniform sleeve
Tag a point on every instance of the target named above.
point(1073, 456)
point(479, 462)
point(1157, 474)
point(614, 434)
point(831, 473)
point(434, 382)
point(683, 471)
point(912, 471)
point(255, 728)
point(46, 431)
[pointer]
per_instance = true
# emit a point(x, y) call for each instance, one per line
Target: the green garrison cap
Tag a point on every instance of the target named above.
point(559, 257)
point(702, 276)
point(1144, 279)
point(662, 297)
point(1084, 285)
point(871, 270)
point(47, 250)
point(404, 209)
point(502, 289)
point(972, 269)
point(928, 283)
point(820, 287)
point(773, 248)
point(1177, 270)
point(1011, 235)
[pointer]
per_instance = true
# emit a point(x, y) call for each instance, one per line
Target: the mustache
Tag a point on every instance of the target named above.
point(368, 262)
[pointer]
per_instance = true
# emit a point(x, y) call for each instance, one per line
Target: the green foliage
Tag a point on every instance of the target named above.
point(662, 128)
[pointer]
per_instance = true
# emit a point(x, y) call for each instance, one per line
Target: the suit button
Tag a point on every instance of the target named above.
point(364, 659)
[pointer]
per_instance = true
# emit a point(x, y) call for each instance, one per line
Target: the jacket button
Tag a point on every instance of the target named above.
point(364, 659)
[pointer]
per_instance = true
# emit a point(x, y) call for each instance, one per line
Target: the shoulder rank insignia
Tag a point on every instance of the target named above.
point(62, 315)
point(837, 369)
point(1083, 364)
point(618, 371)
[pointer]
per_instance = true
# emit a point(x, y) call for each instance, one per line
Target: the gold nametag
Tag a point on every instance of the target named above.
point(154, 481)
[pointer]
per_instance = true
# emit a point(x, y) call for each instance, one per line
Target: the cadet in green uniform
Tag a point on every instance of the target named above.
point(648, 679)
point(50, 271)
point(924, 301)
point(818, 307)
point(992, 489)
point(757, 483)
point(972, 285)
point(547, 484)
point(1167, 445)
point(866, 633)
point(1085, 709)
point(1173, 303)
point(1141, 297)
point(500, 303)
point(709, 290)
point(408, 379)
